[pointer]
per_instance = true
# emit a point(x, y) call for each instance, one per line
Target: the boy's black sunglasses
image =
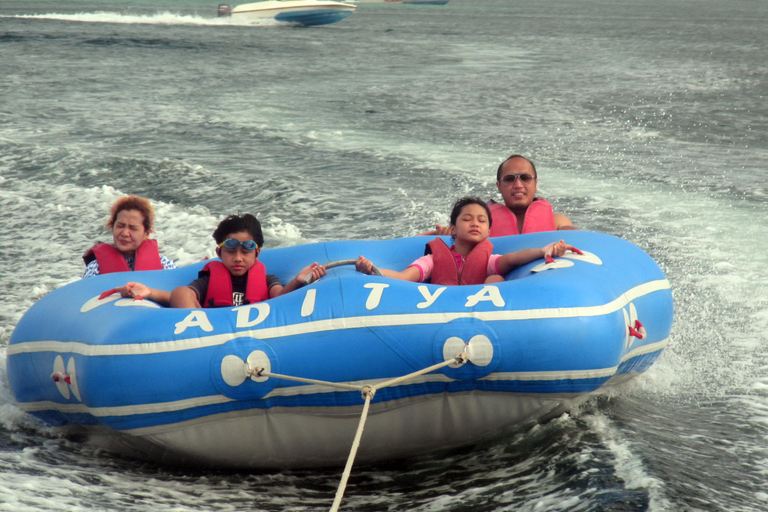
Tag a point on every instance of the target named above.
point(524, 177)
point(231, 243)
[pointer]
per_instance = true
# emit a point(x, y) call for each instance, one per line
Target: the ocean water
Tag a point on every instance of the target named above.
point(647, 120)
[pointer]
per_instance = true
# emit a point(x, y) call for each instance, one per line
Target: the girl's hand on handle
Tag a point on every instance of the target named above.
point(364, 265)
point(438, 231)
point(555, 250)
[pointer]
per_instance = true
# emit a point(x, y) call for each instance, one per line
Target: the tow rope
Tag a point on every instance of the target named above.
point(368, 391)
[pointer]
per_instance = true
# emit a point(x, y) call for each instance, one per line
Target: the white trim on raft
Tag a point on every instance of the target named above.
point(316, 389)
point(645, 349)
point(337, 324)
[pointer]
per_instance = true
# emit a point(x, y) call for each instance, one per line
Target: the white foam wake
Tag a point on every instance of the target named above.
point(161, 18)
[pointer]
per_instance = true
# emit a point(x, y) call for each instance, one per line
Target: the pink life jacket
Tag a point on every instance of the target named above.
point(111, 260)
point(538, 217)
point(220, 285)
point(446, 271)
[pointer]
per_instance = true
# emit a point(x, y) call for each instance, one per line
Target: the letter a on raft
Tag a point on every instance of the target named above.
point(488, 293)
point(196, 318)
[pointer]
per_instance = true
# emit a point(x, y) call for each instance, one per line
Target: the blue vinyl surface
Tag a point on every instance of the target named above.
point(559, 332)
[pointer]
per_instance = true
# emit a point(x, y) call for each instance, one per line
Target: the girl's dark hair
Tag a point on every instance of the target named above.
point(236, 224)
point(464, 201)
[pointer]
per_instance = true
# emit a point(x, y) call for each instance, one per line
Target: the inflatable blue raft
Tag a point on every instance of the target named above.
point(210, 387)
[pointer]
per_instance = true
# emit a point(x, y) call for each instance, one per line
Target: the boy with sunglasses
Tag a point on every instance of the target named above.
point(239, 278)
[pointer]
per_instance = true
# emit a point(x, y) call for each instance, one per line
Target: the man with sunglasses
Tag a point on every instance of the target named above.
point(522, 212)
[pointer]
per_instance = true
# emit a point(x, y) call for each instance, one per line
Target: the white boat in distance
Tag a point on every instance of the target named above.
point(303, 12)
point(415, 2)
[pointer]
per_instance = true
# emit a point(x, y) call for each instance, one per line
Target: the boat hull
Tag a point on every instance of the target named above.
point(425, 2)
point(300, 12)
point(170, 385)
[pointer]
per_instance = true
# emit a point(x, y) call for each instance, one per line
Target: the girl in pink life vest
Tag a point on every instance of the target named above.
point(131, 222)
point(470, 260)
point(239, 278)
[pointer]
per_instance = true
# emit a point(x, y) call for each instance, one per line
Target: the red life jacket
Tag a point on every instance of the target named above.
point(220, 285)
point(446, 271)
point(538, 217)
point(111, 260)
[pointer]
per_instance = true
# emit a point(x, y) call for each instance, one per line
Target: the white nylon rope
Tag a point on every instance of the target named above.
point(260, 372)
point(368, 393)
point(459, 359)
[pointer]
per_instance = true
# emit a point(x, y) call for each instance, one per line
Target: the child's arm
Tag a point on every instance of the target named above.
point(514, 259)
point(184, 297)
point(365, 266)
point(316, 270)
point(140, 291)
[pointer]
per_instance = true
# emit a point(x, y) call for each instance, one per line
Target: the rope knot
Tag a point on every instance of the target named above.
point(461, 358)
point(368, 391)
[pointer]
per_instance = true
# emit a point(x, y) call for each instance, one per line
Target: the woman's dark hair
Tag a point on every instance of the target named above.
point(236, 224)
point(464, 201)
point(133, 203)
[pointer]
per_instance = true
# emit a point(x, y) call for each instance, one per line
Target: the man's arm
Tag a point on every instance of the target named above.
point(563, 222)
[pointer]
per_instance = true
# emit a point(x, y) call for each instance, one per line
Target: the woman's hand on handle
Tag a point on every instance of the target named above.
point(139, 291)
point(134, 290)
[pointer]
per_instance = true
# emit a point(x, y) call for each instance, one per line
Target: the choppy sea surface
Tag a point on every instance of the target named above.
point(647, 120)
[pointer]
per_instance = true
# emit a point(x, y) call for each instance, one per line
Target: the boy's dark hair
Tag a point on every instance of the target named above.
point(464, 201)
point(236, 224)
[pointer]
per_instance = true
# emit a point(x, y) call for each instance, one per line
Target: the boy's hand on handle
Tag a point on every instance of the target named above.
point(364, 265)
point(311, 273)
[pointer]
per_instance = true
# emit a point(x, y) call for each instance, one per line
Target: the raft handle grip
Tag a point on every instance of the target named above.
point(339, 263)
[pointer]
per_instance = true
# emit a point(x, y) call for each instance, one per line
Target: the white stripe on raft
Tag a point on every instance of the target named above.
point(339, 324)
point(317, 389)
